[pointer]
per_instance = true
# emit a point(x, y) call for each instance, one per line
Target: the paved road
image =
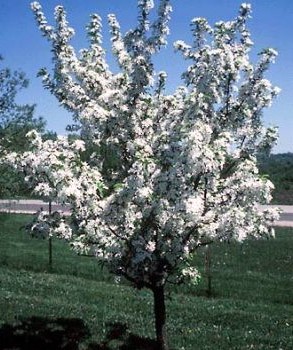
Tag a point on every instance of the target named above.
point(286, 220)
point(286, 216)
point(31, 206)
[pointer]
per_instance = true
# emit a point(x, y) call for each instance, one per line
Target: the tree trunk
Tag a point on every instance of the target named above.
point(208, 263)
point(50, 252)
point(160, 317)
point(50, 238)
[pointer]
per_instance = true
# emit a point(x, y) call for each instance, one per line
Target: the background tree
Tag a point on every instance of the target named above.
point(15, 122)
point(187, 173)
point(279, 169)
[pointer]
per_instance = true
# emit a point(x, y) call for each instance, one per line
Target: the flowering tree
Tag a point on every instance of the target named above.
point(184, 172)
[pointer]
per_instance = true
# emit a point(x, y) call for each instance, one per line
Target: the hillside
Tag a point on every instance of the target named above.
point(279, 168)
point(76, 304)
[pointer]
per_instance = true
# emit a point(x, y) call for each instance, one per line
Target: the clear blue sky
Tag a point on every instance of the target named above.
point(24, 48)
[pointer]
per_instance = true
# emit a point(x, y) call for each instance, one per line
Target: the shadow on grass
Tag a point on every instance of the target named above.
point(43, 333)
point(67, 334)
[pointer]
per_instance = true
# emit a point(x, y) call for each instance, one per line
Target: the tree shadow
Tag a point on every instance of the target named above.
point(67, 334)
point(43, 333)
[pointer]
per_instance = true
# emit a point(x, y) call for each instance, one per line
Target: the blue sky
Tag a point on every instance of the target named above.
point(23, 47)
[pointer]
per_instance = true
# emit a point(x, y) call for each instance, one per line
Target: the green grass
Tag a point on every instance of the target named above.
point(251, 307)
point(20, 251)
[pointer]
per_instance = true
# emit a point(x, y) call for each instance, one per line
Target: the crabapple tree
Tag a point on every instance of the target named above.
point(184, 172)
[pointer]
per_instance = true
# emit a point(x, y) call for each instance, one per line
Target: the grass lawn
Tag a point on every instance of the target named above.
point(251, 305)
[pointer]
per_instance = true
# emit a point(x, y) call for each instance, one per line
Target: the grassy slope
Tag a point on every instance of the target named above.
point(253, 285)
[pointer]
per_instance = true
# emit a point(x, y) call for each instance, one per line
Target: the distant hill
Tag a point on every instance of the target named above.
point(279, 168)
